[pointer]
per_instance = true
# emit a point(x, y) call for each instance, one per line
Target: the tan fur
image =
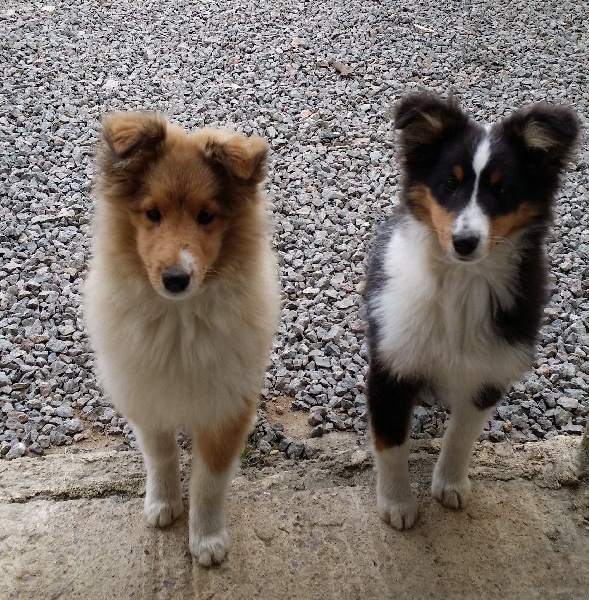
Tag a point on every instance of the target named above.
point(538, 136)
point(219, 447)
point(496, 177)
point(242, 156)
point(379, 443)
point(425, 130)
point(124, 131)
point(436, 217)
point(188, 359)
point(501, 227)
point(458, 172)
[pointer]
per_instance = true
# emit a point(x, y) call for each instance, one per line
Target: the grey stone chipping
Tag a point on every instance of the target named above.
point(317, 79)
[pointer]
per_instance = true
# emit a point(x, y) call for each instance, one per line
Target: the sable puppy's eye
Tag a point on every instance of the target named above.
point(154, 215)
point(451, 184)
point(204, 217)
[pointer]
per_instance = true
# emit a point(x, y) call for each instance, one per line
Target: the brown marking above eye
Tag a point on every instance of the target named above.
point(458, 172)
point(430, 212)
point(496, 177)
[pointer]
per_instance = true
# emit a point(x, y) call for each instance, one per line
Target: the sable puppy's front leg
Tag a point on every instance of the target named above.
point(214, 460)
point(163, 493)
point(390, 401)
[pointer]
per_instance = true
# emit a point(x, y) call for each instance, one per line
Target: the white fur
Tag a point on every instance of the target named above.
point(182, 361)
point(187, 262)
point(189, 265)
point(188, 363)
point(450, 483)
point(472, 221)
point(208, 537)
point(434, 315)
point(481, 156)
point(395, 501)
point(163, 493)
point(434, 321)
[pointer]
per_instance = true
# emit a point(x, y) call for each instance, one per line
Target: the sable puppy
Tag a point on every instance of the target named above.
point(181, 305)
point(457, 281)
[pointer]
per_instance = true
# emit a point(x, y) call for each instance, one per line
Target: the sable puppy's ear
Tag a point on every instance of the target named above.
point(242, 158)
point(130, 138)
point(545, 131)
point(425, 118)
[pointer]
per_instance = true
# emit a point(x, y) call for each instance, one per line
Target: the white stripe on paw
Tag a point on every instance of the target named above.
point(401, 515)
point(209, 549)
point(161, 513)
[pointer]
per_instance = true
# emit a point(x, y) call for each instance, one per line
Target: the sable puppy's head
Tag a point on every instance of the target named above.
point(476, 185)
point(181, 197)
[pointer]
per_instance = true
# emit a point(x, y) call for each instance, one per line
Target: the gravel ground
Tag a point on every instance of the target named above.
point(317, 80)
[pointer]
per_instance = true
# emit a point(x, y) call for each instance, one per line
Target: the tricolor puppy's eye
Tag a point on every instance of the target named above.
point(154, 215)
point(500, 191)
point(451, 184)
point(205, 217)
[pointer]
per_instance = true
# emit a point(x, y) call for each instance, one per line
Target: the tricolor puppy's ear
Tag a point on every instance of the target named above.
point(547, 132)
point(242, 158)
point(425, 119)
point(130, 139)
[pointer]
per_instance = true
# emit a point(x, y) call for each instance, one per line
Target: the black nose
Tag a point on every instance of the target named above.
point(465, 245)
point(175, 281)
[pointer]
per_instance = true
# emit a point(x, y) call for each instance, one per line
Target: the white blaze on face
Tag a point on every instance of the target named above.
point(187, 262)
point(472, 221)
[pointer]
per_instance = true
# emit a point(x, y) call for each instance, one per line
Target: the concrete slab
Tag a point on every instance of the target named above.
point(71, 526)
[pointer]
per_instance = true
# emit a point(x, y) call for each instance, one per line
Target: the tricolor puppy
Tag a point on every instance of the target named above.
point(181, 304)
point(457, 281)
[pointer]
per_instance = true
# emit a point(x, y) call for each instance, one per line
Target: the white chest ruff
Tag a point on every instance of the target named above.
point(435, 319)
point(183, 363)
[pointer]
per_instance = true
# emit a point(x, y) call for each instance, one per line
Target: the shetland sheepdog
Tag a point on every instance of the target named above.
point(457, 281)
point(181, 305)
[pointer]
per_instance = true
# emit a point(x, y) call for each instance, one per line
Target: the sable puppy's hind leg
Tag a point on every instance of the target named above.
point(214, 460)
point(390, 401)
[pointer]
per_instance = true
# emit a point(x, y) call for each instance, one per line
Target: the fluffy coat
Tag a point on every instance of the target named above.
point(181, 304)
point(457, 281)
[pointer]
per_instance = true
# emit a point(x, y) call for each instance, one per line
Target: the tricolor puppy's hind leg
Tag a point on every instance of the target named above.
point(390, 401)
point(214, 459)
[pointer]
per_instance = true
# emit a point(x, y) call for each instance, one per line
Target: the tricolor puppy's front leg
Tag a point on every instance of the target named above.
point(214, 459)
point(450, 483)
point(390, 402)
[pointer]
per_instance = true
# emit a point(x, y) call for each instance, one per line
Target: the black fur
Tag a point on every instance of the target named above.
point(390, 420)
point(375, 276)
point(529, 152)
point(487, 397)
point(522, 322)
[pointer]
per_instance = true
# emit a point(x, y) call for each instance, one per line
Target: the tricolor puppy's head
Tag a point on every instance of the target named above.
point(180, 195)
point(476, 185)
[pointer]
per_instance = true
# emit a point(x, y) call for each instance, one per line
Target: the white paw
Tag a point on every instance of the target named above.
point(399, 514)
point(209, 549)
point(451, 494)
point(161, 513)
